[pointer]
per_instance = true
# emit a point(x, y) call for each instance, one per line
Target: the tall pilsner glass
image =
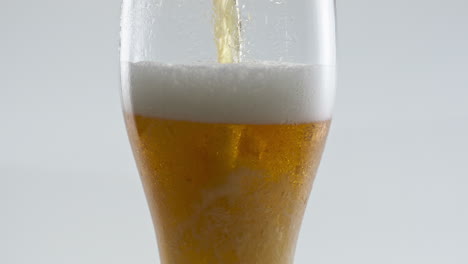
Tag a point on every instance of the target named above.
point(228, 105)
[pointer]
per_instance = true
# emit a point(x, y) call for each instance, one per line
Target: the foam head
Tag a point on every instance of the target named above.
point(260, 93)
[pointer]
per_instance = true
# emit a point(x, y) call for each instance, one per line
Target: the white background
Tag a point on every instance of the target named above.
point(393, 183)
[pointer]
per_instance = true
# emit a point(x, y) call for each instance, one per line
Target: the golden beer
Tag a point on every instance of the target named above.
point(227, 33)
point(227, 151)
point(226, 193)
point(227, 154)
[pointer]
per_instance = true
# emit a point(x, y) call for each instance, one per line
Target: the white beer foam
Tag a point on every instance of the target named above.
point(247, 93)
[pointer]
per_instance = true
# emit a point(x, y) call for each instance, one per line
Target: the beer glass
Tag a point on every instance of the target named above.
point(227, 105)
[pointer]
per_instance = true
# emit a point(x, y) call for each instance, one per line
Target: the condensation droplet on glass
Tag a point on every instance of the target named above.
point(180, 3)
point(277, 2)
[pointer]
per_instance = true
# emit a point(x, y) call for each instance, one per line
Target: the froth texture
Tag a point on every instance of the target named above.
point(260, 93)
